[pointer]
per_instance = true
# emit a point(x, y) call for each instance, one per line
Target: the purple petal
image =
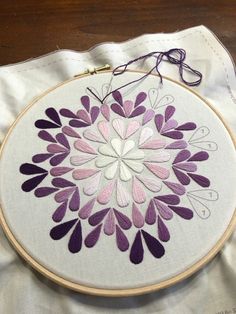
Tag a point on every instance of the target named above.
point(44, 135)
point(63, 195)
point(151, 216)
point(75, 242)
point(41, 157)
point(137, 111)
point(169, 125)
point(59, 231)
point(136, 252)
point(163, 210)
point(177, 145)
point(163, 232)
point(186, 166)
point(182, 177)
point(31, 184)
point(170, 110)
point(183, 212)
point(149, 114)
point(201, 180)
point(67, 113)
point(94, 113)
point(121, 240)
point(59, 213)
point(31, 169)
point(62, 140)
point(159, 121)
point(59, 171)
point(62, 183)
point(96, 218)
point(86, 210)
point(169, 199)
point(85, 102)
point(140, 98)
point(177, 188)
point(53, 115)
point(187, 126)
point(77, 123)
point(117, 96)
point(122, 219)
point(70, 132)
point(118, 109)
point(56, 160)
point(182, 155)
point(55, 149)
point(93, 236)
point(109, 224)
point(44, 191)
point(154, 246)
point(174, 134)
point(75, 200)
point(45, 124)
point(200, 156)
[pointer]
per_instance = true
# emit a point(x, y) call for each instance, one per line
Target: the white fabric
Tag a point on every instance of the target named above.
point(211, 290)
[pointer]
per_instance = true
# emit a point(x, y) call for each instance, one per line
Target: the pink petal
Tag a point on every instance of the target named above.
point(119, 127)
point(139, 195)
point(177, 188)
point(109, 225)
point(70, 132)
point(154, 144)
point(164, 211)
point(169, 125)
point(84, 147)
point(133, 127)
point(128, 107)
point(186, 166)
point(137, 217)
point(160, 172)
point(86, 210)
point(63, 195)
point(83, 115)
point(122, 195)
point(80, 174)
point(103, 127)
point(91, 185)
point(55, 148)
point(105, 110)
point(59, 171)
point(148, 115)
point(81, 159)
point(105, 195)
point(93, 136)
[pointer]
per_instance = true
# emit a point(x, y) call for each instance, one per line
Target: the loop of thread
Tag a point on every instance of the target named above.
point(174, 56)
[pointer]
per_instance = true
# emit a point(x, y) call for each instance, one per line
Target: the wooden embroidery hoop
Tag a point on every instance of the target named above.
point(114, 292)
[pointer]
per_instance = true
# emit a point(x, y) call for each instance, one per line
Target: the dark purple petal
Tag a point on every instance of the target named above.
point(75, 200)
point(56, 160)
point(94, 113)
point(169, 199)
point(53, 115)
point(200, 156)
point(137, 111)
point(59, 231)
point(182, 177)
point(41, 157)
point(118, 109)
point(154, 246)
point(170, 110)
point(31, 184)
point(78, 123)
point(177, 145)
point(140, 98)
point(163, 232)
point(44, 191)
point(62, 183)
point(159, 121)
point(187, 126)
point(136, 252)
point(62, 140)
point(31, 169)
point(124, 222)
point(201, 180)
point(67, 113)
point(117, 96)
point(85, 102)
point(45, 124)
point(183, 212)
point(75, 242)
point(174, 134)
point(59, 213)
point(86, 210)
point(93, 236)
point(44, 135)
point(121, 240)
point(177, 188)
point(70, 132)
point(151, 216)
point(59, 171)
point(96, 218)
point(182, 155)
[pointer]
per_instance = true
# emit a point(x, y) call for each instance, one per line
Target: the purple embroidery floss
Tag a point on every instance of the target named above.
point(175, 56)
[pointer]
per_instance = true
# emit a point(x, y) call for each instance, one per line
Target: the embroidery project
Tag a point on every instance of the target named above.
point(123, 196)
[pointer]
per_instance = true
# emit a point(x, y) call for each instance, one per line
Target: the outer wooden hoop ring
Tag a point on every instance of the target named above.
point(115, 292)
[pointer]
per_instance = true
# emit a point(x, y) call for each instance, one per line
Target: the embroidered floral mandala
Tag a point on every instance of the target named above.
point(118, 167)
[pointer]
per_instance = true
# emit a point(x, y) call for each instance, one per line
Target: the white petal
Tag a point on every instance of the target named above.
point(80, 160)
point(145, 135)
point(91, 186)
point(135, 166)
point(93, 136)
point(117, 145)
point(111, 171)
point(137, 154)
point(122, 196)
point(128, 146)
point(133, 127)
point(119, 127)
point(159, 157)
point(103, 127)
point(152, 184)
point(107, 151)
point(103, 161)
point(125, 174)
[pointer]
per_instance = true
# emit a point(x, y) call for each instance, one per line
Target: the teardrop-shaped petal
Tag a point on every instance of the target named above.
point(182, 156)
point(29, 169)
point(105, 195)
point(159, 119)
point(59, 213)
point(163, 210)
point(177, 188)
point(154, 144)
point(125, 174)
point(183, 212)
point(86, 210)
point(206, 194)
point(163, 232)
point(161, 156)
point(91, 185)
point(32, 183)
point(148, 116)
point(134, 155)
point(104, 161)
point(93, 236)
point(136, 252)
point(123, 221)
point(53, 115)
point(59, 231)
point(200, 209)
point(67, 113)
point(140, 98)
point(80, 174)
point(63, 195)
point(134, 165)
point(186, 166)
point(181, 144)
point(110, 171)
point(128, 146)
point(74, 203)
point(150, 183)
point(118, 109)
point(128, 107)
point(81, 159)
point(106, 150)
point(44, 191)
point(169, 199)
point(206, 145)
point(137, 111)
point(138, 193)
point(137, 217)
point(62, 183)
point(44, 135)
point(153, 96)
point(200, 156)
point(57, 159)
point(93, 136)
point(83, 115)
point(187, 126)
point(201, 180)
point(151, 216)
point(154, 246)
point(169, 125)
point(109, 224)
point(96, 218)
point(160, 172)
point(84, 147)
point(59, 171)
point(170, 110)
point(116, 144)
point(104, 129)
point(78, 123)
point(41, 157)
point(122, 195)
point(75, 242)
point(105, 110)
point(45, 124)
point(118, 97)
point(55, 148)
point(182, 177)
point(94, 113)
point(119, 127)
point(85, 102)
point(174, 134)
point(61, 138)
point(200, 133)
point(132, 128)
point(145, 135)
point(70, 132)
point(121, 240)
